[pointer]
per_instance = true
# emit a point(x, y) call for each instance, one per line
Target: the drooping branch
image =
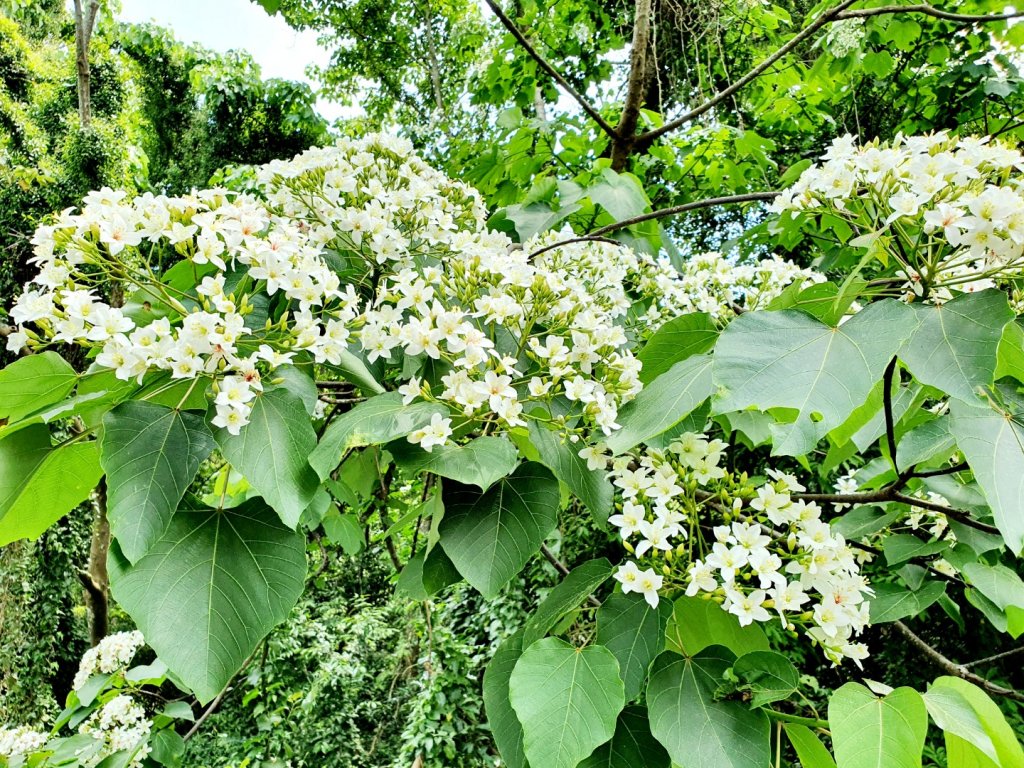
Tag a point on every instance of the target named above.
point(638, 75)
point(756, 72)
point(952, 668)
point(557, 76)
point(928, 10)
point(599, 234)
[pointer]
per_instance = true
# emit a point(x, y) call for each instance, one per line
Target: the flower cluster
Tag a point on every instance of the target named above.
point(772, 554)
point(120, 725)
point(845, 36)
point(113, 654)
point(20, 741)
point(954, 206)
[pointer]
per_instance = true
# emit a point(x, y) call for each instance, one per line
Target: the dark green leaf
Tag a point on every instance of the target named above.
point(678, 339)
point(769, 676)
point(568, 594)
point(505, 726)
point(892, 602)
point(901, 547)
point(480, 462)
point(633, 631)
point(632, 745)
point(591, 486)
point(697, 624)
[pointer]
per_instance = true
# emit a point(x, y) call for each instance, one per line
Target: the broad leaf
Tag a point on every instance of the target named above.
point(925, 442)
point(965, 711)
point(901, 547)
point(34, 382)
point(151, 454)
point(632, 745)
point(769, 676)
point(40, 484)
point(480, 462)
point(378, 420)
point(567, 595)
point(788, 359)
point(954, 345)
point(698, 729)
point(663, 403)
point(591, 486)
point(992, 441)
point(505, 726)
point(678, 339)
point(211, 589)
point(809, 750)
point(272, 452)
point(567, 700)
point(344, 530)
point(633, 631)
point(490, 536)
point(697, 624)
point(892, 602)
point(869, 731)
point(1002, 587)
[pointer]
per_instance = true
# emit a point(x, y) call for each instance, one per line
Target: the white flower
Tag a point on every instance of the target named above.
point(435, 433)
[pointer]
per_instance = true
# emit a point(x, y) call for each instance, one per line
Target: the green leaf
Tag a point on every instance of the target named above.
point(966, 712)
point(901, 547)
point(925, 442)
point(954, 345)
point(481, 462)
point(490, 536)
point(378, 420)
point(1010, 355)
point(167, 748)
point(676, 340)
point(697, 728)
point(809, 750)
point(697, 624)
point(354, 369)
point(632, 745)
point(663, 403)
point(567, 595)
point(344, 530)
point(502, 719)
point(272, 452)
point(635, 633)
point(863, 521)
point(787, 359)
point(621, 194)
point(40, 484)
point(992, 441)
point(868, 731)
point(769, 676)
point(34, 382)
point(151, 454)
point(591, 486)
point(567, 700)
point(1000, 585)
point(892, 602)
point(211, 589)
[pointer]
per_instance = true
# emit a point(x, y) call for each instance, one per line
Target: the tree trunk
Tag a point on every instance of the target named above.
point(640, 65)
point(95, 579)
point(84, 23)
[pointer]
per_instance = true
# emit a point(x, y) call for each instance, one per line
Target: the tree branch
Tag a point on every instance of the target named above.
point(547, 67)
point(891, 493)
point(598, 234)
point(756, 72)
point(623, 145)
point(927, 10)
point(957, 670)
point(890, 428)
point(563, 569)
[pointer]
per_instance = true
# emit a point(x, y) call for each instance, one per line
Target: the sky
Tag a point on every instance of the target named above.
point(222, 25)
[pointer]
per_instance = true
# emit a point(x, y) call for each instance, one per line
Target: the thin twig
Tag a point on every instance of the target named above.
point(547, 67)
point(890, 429)
point(928, 10)
point(957, 670)
point(996, 657)
point(563, 569)
point(212, 707)
point(891, 493)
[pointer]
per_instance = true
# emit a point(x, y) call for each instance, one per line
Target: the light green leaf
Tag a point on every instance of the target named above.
point(272, 452)
point(621, 194)
point(591, 486)
point(1000, 585)
point(632, 745)
point(633, 631)
point(480, 462)
point(697, 728)
point(378, 420)
point(1010, 355)
point(925, 442)
point(40, 484)
point(211, 589)
point(151, 454)
point(505, 726)
point(869, 732)
point(954, 345)
point(892, 602)
point(809, 749)
point(567, 595)
point(678, 339)
point(966, 712)
point(490, 536)
point(769, 676)
point(697, 624)
point(567, 700)
point(34, 382)
point(992, 441)
point(663, 403)
point(787, 359)
point(344, 530)
point(901, 547)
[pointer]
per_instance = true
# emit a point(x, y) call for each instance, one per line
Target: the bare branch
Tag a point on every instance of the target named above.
point(951, 667)
point(890, 431)
point(996, 657)
point(927, 10)
point(718, 98)
point(598, 234)
point(547, 67)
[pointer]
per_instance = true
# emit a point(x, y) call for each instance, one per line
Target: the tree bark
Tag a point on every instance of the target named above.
point(95, 578)
point(85, 20)
point(640, 60)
